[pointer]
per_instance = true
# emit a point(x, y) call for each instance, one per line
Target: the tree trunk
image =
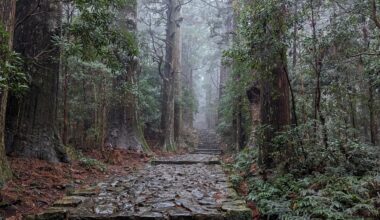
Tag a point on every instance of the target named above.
point(171, 114)
point(372, 119)
point(32, 120)
point(124, 130)
point(7, 19)
point(168, 117)
point(274, 95)
point(254, 99)
point(65, 105)
point(275, 110)
point(177, 69)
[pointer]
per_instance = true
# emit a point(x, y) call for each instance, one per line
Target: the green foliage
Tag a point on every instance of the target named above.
point(90, 163)
point(149, 97)
point(97, 53)
point(11, 75)
point(86, 162)
point(335, 193)
point(97, 36)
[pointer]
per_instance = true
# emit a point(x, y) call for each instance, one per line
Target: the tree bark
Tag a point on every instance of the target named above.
point(177, 69)
point(171, 110)
point(274, 92)
point(371, 107)
point(32, 120)
point(7, 19)
point(124, 130)
point(275, 109)
point(375, 18)
point(253, 95)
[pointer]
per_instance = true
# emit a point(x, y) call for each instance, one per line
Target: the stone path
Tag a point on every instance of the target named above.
point(208, 143)
point(191, 186)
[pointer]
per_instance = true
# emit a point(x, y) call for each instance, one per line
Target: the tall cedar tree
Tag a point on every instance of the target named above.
point(32, 119)
point(171, 77)
point(7, 20)
point(124, 128)
point(275, 107)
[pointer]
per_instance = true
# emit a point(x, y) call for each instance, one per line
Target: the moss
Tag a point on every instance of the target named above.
point(5, 172)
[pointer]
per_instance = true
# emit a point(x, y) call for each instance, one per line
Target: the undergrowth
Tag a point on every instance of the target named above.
point(86, 162)
point(349, 189)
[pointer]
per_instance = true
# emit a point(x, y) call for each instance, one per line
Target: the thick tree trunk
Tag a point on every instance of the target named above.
point(7, 18)
point(168, 117)
point(275, 95)
point(254, 99)
point(124, 130)
point(275, 110)
point(65, 106)
point(177, 69)
point(32, 120)
point(171, 114)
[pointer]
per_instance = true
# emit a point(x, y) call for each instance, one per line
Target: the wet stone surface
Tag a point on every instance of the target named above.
point(197, 190)
point(208, 159)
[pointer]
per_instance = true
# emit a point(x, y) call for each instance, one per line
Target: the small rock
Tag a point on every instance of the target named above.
point(207, 201)
point(197, 194)
point(105, 209)
point(85, 192)
point(151, 215)
point(235, 210)
point(69, 201)
point(127, 206)
point(78, 182)
point(163, 205)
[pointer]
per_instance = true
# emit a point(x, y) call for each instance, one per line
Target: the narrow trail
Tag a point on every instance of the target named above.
point(191, 186)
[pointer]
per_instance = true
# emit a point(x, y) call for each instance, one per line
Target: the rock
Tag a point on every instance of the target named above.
point(179, 214)
point(197, 194)
point(69, 201)
point(127, 206)
point(207, 201)
point(151, 215)
point(54, 213)
point(235, 211)
point(232, 193)
point(116, 189)
point(78, 182)
point(105, 209)
point(115, 183)
point(85, 192)
point(209, 216)
point(162, 206)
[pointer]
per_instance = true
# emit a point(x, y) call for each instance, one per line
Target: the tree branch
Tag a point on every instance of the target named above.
point(374, 14)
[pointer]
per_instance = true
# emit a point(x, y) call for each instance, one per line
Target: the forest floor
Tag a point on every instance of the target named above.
point(37, 184)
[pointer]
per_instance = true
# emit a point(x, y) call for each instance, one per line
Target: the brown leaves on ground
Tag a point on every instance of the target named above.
point(37, 184)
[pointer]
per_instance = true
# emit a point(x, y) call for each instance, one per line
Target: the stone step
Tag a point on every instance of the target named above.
point(207, 152)
point(188, 160)
point(209, 146)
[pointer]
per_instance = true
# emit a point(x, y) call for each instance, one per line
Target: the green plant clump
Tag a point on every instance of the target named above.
point(90, 163)
point(331, 194)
